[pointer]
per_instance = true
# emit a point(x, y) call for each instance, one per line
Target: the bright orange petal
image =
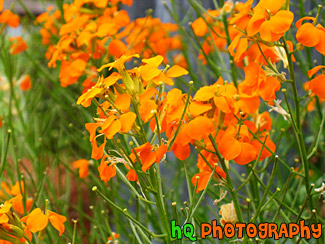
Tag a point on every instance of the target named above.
point(82, 165)
point(3, 218)
point(270, 5)
point(92, 128)
point(26, 83)
point(127, 121)
point(181, 152)
point(97, 152)
point(106, 171)
point(299, 22)
point(160, 152)
point(57, 221)
point(222, 104)
point(197, 108)
point(315, 70)
point(254, 24)
point(37, 221)
point(107, 29)
point(123, 102)
point(201, 179)
point(320, 47)
point(317, 86)
point(248, 104)
point(228, 146)
point(268, 88)
point(176, 71)
point(199, 26)
point(199, 128)
point(205, 93)
point(149, 71)
point(146, 109)
point(246, 155)
point(308, 35)
point(155, 61)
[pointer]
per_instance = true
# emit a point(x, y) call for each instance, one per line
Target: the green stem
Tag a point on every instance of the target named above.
point(158, 195)
point(266, 191)
point(232, 63)
point(233, 193)
point(125, 213)
point(183, 115)
point(299, 135)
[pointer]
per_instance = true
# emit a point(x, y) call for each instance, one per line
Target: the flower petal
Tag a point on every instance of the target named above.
point(176, 71)
point(36, 220)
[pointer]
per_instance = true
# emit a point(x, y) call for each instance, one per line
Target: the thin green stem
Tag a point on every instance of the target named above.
point(299, 134)
point(229, 181)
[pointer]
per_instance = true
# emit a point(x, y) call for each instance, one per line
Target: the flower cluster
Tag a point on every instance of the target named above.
point(135, 97)
point(251, 31)
point(145, 118)
point(254, 35)
point(98, 30)
point(8, 18)
point(18, 230)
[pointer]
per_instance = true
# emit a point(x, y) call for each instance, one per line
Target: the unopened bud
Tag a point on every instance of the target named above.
point(299, 46)
point(236, 97)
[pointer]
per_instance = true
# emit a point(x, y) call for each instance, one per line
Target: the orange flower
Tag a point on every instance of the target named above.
point(199, 128)
point(199, 26)
point(71, 71)
point(86, 98)
point(37, 220)
point(127, 121)
point(82, 165)
point(150, 71)
point(175, 105)
point(202, 178)
point(269, 21)
point(147, 109)
point(25, 83)
point(17, 204)
point(115, 235)
point(219, 95)
point(273, 29)
point(268, 143)
point(4, 209)
point(264, 121)
point(256, 81)
point(7, 17)
point(15, 189)
point(236, 145)
point(310, 35)
point(97, 152)
point(18, 45)
point(111, 126)
point(149, 155)
point(317, 85)
point(117, 48)
point(181, 152)
point(118, 64)
point(106, 171)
